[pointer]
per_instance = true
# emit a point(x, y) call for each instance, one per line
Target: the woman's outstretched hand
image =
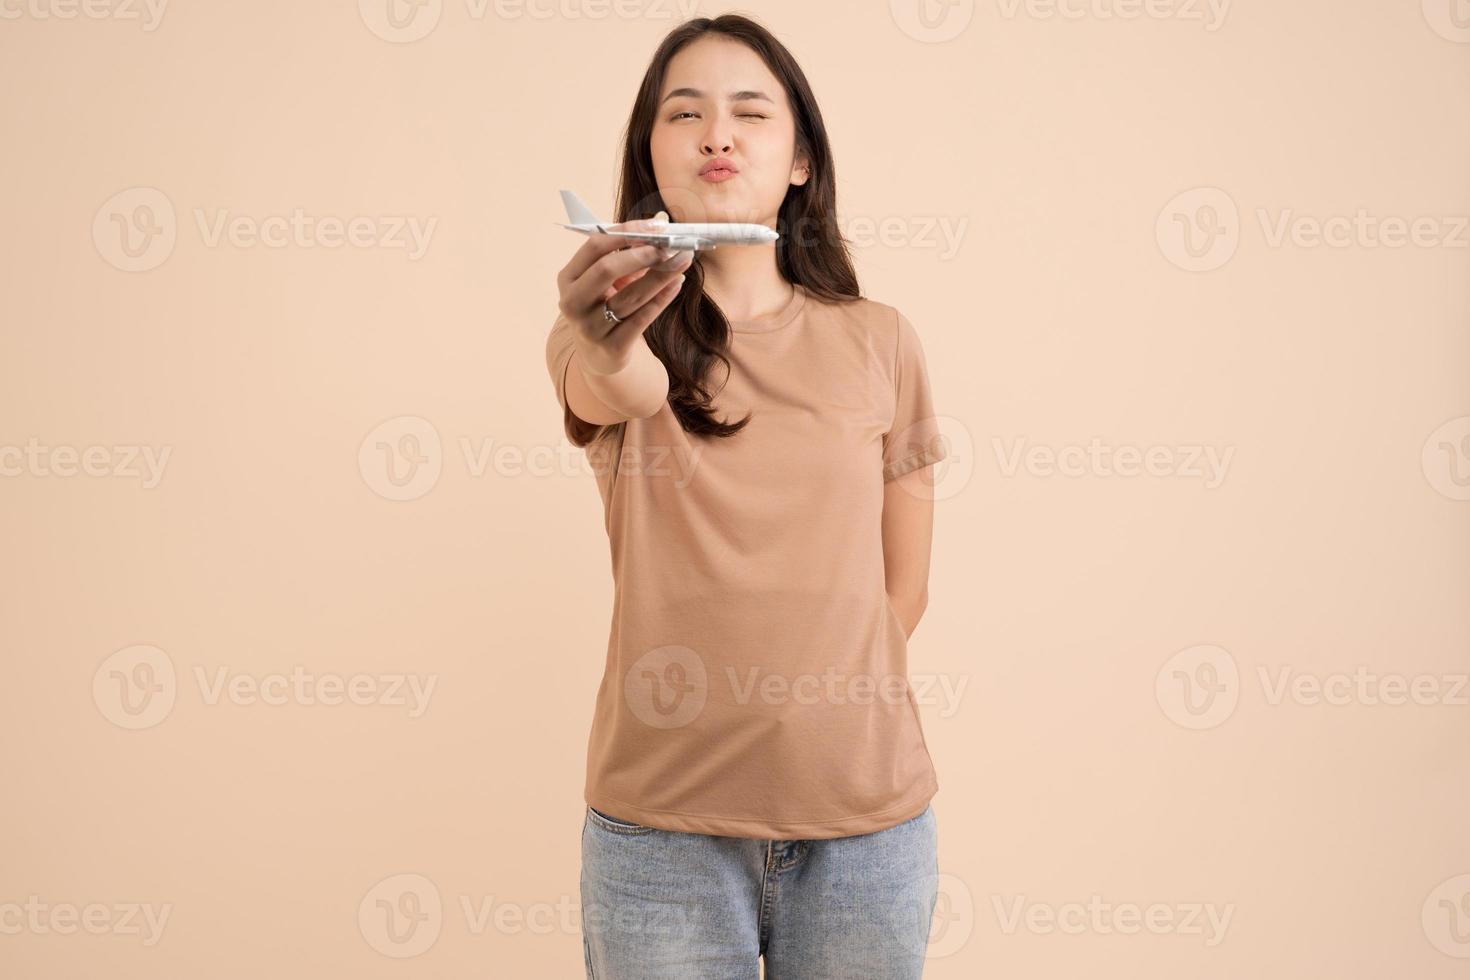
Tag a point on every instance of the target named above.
point(635, 282)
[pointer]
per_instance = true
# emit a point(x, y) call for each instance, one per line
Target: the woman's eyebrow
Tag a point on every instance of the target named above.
point(695, 93)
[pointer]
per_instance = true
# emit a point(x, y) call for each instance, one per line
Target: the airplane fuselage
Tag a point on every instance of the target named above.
point(718, 233)
point(692, 235)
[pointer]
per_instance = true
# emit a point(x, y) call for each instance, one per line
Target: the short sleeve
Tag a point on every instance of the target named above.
point(913, 439)
point(560, 344)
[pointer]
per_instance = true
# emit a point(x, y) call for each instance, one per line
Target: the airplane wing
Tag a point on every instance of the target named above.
point(648, 237)
point(664, 240)
point(652, 238)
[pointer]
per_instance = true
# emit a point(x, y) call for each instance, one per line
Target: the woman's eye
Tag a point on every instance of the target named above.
point(743, 115)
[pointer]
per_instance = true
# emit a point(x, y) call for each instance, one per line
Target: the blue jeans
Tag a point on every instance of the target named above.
point(667, 905)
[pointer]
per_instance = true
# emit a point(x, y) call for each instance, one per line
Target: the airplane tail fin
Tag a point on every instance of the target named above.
point(577, 212)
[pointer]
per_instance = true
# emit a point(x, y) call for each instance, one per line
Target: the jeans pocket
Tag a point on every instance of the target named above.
point(615, 825)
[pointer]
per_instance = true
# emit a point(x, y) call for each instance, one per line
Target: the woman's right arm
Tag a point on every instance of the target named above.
point(635, 391)
point(610, 374)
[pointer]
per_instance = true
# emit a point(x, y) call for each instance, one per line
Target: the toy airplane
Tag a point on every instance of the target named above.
point(687, 237)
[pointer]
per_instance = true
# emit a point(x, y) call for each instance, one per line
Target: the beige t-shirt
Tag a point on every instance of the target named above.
point(756, 681)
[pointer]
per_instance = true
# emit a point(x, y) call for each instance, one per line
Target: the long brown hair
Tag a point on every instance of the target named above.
point(692, 333)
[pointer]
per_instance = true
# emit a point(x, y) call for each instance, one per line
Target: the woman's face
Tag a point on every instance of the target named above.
point(719, 100)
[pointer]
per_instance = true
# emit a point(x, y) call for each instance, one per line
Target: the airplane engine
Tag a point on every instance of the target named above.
point(681, 242)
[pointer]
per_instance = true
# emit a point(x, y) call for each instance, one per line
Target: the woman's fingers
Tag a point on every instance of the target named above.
point(622, 281)
point(624, 333)
point(642, 224)
point(596, 246)
point(637, 280)
point(678, 263)
point(646, 285)
point(655, 223)
point(590, 289)
point(601, 265)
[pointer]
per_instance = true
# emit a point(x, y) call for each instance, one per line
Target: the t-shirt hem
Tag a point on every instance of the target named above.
point(697, 823)
point(924, 457)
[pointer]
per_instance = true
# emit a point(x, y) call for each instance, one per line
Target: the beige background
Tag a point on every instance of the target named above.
point(1114, 646)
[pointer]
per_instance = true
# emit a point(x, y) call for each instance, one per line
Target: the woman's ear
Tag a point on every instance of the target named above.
point(801, 172)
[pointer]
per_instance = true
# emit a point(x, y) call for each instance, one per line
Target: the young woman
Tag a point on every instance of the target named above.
point(758, 784)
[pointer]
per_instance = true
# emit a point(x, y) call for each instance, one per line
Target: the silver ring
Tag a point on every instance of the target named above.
point(609, 315)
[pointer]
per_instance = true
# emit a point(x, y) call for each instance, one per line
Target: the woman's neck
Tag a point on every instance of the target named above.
point(744, 282)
